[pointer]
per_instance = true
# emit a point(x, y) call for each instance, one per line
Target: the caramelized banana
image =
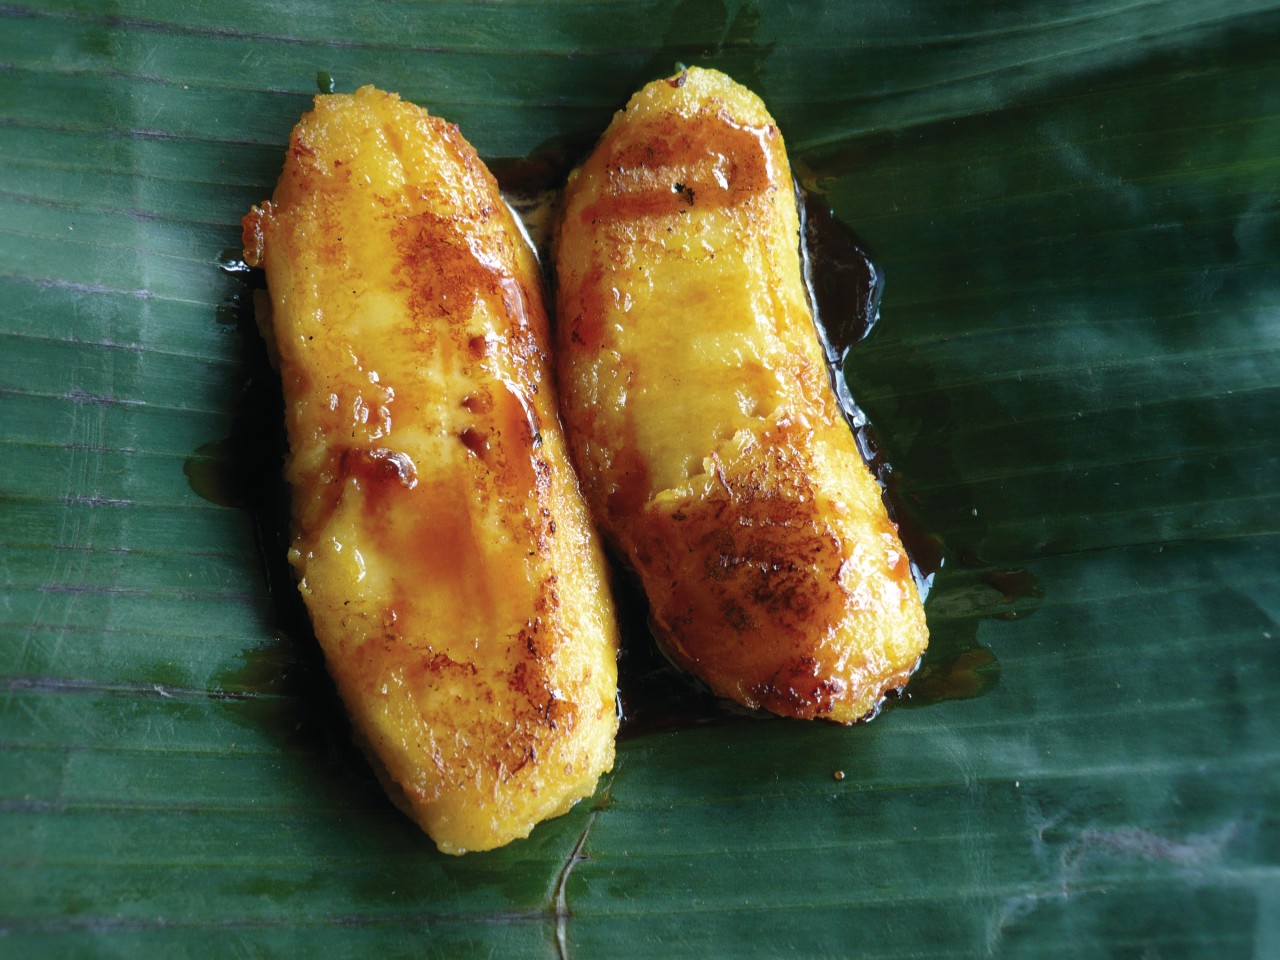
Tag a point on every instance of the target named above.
point(442, 545)
point(702, 419)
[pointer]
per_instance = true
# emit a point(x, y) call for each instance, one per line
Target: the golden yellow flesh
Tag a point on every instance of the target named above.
point(442, 545)
point(702, 420)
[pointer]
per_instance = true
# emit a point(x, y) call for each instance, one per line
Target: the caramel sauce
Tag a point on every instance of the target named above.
point(475, 441)
point(588, 327)
point(481, 403)
point(845, 285)
point(440, 547)
point(512, 417)
point(379, 470)
point(632, 488)
point(964, 675)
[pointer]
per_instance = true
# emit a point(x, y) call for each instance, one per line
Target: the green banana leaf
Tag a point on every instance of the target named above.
point(1076, 380)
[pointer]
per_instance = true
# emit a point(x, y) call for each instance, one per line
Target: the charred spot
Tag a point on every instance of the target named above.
point(532, 638)
point(477, 347)
point(549, 712)
point(519, 680)
point(642, 162)
point(722, 557)
point(439, 268)
point(541, 474)
point(736, 616)
point(441, 663)
point(530, 755)
point(797, 690)
point(302, 151)
point(561, 713)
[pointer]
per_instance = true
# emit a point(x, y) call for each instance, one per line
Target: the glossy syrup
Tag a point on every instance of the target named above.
point(244, 469)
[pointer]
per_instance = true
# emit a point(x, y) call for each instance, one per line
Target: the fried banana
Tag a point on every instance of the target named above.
point(702, 419)
point(440, 540)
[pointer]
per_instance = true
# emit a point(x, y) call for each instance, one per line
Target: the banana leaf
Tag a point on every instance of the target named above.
point(1076, 380)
